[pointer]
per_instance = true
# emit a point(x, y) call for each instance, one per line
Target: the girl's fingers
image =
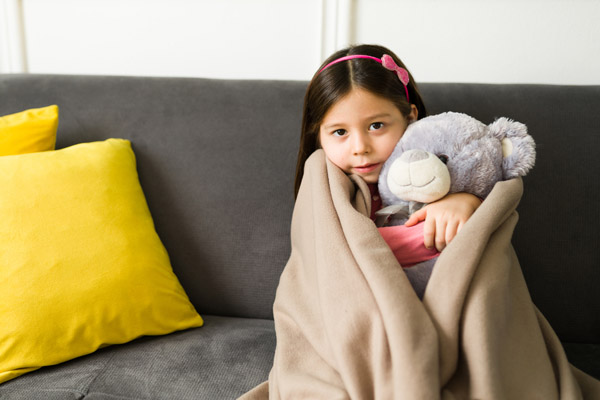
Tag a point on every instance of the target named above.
point(440, 234)
point(417, 217)
point(429, 233)
point(460, 225)
point(451, 230)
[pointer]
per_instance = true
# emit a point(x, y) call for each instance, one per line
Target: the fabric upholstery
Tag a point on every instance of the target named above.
point(107, 374)
point(199, 162)
point(216, 160)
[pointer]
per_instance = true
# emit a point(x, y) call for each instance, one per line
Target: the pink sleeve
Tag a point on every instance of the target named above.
point(407, 244)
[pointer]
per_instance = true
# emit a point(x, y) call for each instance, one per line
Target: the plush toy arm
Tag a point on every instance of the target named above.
point(518, 147)
point(394, 209)
point(397, 211)
point(397, 214)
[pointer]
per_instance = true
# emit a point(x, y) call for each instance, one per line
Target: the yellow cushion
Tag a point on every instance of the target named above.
point(81, 265)
point(29, 131)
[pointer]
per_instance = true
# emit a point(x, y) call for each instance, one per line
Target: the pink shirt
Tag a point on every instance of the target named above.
point(406, 242)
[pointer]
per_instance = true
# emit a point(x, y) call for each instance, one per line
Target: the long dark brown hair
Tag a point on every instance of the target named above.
point(336, 81)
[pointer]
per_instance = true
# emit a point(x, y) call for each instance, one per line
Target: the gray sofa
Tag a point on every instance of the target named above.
point(201, 145)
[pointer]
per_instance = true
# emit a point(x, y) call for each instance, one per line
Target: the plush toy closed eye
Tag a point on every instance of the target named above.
point(449, 153)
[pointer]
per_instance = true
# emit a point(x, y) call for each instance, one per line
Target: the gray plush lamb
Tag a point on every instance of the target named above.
point(448, 153)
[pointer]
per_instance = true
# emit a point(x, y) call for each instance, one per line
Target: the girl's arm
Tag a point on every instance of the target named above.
point(444, 218)
point(407, 244)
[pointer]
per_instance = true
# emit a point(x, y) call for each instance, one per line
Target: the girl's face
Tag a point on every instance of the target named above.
point(360, 131)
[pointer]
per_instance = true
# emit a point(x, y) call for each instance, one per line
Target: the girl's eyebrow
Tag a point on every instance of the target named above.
point(381, 115)
point(335, 124)
point(369, 118)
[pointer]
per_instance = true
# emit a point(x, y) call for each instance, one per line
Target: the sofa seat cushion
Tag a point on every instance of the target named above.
point(222, 360)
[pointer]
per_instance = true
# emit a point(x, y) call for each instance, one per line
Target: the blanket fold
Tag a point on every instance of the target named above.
point(350, 326)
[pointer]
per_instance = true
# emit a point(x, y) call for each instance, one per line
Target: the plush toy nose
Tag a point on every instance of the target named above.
point(414, 155)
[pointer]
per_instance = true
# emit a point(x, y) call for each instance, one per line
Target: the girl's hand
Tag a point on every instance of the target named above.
point(444, 218)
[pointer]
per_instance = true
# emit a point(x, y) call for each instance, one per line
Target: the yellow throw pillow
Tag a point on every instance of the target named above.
point(29, 131)
point(81, 265)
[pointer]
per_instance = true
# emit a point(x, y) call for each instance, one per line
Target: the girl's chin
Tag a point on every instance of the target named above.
point(371, 177)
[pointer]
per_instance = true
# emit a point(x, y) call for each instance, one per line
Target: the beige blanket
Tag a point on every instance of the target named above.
point(350, 326)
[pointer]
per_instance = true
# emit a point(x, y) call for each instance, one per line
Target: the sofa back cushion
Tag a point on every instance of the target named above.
point(556, 238)
point(216, 160)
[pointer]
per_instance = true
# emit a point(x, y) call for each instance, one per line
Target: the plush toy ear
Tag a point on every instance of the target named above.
point(518, 147)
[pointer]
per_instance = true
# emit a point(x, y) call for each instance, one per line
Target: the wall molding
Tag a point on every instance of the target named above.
point(13, 54)
point(337, 25)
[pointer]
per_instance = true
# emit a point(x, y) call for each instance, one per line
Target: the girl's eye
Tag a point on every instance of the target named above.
point(376, 125)
point(339, 132)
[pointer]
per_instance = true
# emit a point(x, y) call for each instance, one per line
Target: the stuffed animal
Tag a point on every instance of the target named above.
point(448, 153)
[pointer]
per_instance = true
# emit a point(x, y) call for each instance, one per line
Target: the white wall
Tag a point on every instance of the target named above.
point(536, 41)
point(498, 41)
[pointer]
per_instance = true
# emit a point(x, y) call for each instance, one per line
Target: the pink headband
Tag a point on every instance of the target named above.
point(386, 61)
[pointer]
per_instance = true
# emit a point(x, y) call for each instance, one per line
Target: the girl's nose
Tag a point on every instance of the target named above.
point(360, 144)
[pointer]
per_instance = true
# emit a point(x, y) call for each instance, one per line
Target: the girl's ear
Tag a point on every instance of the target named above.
point(414, 114)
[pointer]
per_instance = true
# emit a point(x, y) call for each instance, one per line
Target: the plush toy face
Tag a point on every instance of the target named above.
point(453, 152)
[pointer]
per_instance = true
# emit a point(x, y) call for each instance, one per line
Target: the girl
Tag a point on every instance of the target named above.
point(356, 108)
point(348, 324)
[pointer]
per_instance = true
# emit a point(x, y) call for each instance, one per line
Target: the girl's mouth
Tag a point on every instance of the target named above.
point(366, 168)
